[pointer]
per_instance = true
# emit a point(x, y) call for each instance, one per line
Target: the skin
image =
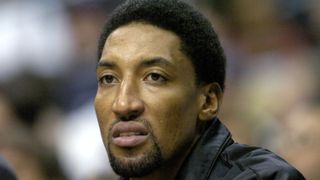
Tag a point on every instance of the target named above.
point(144, 76)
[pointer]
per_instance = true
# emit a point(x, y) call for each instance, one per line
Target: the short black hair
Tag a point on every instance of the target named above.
point(199, 40)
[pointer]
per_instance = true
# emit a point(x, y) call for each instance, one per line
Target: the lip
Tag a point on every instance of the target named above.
point(129, 134)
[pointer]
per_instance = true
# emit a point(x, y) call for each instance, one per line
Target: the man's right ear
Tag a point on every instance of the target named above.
point(212, 96)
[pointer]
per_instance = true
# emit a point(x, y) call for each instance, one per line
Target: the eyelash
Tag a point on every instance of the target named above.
point(157, 76)
point(104, 81)
point(151, 78)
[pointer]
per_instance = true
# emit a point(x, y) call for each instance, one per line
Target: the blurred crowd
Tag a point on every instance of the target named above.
point(48, 128)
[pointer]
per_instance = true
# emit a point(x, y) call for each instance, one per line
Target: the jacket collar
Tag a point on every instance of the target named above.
point(204, 155)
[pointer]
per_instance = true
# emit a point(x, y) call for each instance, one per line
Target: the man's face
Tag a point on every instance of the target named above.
point(147, 102)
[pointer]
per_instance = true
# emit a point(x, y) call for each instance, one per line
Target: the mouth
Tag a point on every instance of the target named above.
point(129, 134)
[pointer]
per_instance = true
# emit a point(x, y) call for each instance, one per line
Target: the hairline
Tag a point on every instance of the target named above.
point(202, 59)
point(182, 43)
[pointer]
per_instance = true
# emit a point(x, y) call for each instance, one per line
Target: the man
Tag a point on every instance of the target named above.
point(161, 74)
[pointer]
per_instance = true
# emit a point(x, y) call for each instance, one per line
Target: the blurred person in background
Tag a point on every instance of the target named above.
point(300, 131)
point(46, 78)
point(30, 160)
point(20, 113)
point(6, 122)
point(273, 51)
point(6, 171)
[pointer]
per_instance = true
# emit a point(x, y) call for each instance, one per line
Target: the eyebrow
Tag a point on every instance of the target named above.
point(157, 61)
point(107, 64)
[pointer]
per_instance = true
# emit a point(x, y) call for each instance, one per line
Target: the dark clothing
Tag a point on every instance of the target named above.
point(217, 156)
point(6, 172)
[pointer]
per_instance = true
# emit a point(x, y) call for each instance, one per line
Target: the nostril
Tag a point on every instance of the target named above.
point(130, 116)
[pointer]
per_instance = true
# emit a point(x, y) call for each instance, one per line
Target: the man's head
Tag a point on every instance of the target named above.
point(155, 89)
point(199, 41)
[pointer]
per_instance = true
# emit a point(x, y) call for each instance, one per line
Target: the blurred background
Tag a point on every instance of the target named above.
point(48, 128)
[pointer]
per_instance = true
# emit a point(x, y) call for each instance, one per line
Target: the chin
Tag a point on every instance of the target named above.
point(133, 164)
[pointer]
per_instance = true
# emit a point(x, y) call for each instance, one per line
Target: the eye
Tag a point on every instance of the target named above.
point(155, 77)
point(107, 80)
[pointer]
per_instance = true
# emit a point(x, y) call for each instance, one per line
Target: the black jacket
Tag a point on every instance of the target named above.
point(217, 157)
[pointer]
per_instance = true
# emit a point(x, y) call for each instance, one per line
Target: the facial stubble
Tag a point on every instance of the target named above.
point(136, 165)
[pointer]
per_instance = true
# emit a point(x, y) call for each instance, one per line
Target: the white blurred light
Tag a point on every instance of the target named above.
point(34, 35)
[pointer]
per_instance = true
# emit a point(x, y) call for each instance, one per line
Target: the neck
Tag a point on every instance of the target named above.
point(170, 169)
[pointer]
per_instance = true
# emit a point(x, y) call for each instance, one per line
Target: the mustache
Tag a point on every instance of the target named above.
point(143, 121)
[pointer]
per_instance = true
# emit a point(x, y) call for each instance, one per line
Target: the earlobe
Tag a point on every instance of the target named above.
point(212, 95)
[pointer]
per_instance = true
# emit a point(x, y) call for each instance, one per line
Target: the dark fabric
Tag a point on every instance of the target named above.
point(6, 173)
point(217, 157)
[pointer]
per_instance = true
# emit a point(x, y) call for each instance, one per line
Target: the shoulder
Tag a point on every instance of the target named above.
point(247, 162)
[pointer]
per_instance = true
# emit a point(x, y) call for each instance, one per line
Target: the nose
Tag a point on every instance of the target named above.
point(127, 105)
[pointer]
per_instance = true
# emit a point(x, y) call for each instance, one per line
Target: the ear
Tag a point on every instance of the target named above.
point(211, 100)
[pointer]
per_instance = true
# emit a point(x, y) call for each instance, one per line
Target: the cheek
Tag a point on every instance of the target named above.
point(102, 108)
point(174, 122)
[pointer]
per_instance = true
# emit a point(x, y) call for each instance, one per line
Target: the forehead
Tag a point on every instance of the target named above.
point(141, 39)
